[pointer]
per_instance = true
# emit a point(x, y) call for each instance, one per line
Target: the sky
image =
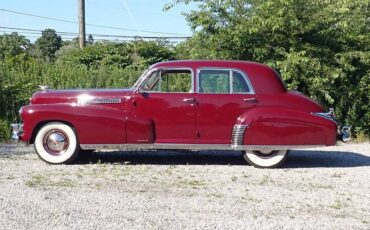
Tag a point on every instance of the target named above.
point(135, 15)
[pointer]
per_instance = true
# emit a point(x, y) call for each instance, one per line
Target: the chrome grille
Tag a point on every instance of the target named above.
point(238, 135)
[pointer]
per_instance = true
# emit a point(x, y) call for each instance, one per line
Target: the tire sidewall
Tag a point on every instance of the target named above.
point(68, 155)
point(261, 162)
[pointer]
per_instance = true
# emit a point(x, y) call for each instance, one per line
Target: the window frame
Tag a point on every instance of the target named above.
point(231, 90)
point(166, 69)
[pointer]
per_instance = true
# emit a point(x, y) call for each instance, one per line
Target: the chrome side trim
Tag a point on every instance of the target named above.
point(193, 147)
point(237, 137)
point(91, 100)
point(157, 146)
point(114, 100)
point(275, 147)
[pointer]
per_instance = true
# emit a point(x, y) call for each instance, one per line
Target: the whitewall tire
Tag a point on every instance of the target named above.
point(265, 159)
point(56, 143)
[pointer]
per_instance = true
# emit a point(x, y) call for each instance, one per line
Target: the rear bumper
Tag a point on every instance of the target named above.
point(344, 133)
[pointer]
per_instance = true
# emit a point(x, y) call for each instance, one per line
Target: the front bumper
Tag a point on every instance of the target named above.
point(17, 131)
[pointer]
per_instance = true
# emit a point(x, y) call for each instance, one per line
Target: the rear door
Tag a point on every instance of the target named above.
point(223, 95)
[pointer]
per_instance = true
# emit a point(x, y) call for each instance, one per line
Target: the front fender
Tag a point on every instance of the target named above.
point(93, 124)
point(284, 126)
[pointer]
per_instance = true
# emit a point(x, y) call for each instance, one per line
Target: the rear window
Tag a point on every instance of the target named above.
point(222, 81)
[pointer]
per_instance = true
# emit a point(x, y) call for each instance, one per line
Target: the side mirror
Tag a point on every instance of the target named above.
point(144, 94)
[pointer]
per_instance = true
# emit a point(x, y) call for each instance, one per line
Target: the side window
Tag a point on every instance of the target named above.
point(214, 81)
point(239, 83)
point(152, 83)
point(176, 81)
point(169, 81)
point(222, 81)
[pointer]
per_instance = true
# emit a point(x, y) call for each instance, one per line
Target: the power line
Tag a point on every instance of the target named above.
point(124, 9)
point(34, 31)
point(87, 24)
point(70, 37)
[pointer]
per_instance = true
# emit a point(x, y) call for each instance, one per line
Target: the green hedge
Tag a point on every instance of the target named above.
point(5, 131)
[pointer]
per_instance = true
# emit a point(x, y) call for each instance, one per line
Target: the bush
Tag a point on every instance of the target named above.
point(4, 131)
point(101, 65)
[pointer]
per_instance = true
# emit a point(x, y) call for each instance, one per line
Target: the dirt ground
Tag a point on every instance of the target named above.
point(322, 188)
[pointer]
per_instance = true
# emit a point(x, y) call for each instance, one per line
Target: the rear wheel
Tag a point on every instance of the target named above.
point(265, 159)
point(56, 143)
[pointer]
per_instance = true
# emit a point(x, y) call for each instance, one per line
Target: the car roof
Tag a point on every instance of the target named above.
point(263, 78)
point(208, 63)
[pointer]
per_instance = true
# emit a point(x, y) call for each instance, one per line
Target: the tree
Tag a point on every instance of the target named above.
point(150, 52)
point(13, 44)
point(15, 56)
point(48, 44)
point(90, 40)
point(137, 53)
point(321, 48)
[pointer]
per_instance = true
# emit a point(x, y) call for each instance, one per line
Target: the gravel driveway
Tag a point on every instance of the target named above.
point(323, 188)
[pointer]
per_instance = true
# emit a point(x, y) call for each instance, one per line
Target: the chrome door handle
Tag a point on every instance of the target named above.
point(250, 100)
point(189, 100)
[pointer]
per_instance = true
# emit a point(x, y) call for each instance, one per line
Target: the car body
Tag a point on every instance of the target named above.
point(216, 105)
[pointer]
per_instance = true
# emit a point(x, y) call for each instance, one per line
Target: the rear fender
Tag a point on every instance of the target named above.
point(284, 126)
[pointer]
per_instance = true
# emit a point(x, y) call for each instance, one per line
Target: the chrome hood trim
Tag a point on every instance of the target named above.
point(44, 88)
point(81, 96)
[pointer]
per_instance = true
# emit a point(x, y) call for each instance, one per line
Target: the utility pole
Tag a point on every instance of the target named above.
point(81, 22)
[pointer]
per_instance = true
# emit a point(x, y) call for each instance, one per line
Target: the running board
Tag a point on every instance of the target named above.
point(193, 147)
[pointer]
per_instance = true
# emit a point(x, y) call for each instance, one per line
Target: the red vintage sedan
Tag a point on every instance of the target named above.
point(198, 105)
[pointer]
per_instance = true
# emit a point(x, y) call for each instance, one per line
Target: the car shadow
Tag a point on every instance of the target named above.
point(325, 159)
point(164, 157)
point(296, 158)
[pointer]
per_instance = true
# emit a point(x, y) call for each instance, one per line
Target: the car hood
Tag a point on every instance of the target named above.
point(78, 96)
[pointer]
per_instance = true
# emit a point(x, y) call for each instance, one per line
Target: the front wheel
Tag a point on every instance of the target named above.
point(56, 143)
point(265, 159)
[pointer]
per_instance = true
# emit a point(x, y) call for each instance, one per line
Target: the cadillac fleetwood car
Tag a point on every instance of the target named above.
point(194, 105)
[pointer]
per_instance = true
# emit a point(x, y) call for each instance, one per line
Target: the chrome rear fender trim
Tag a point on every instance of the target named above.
point(237, 137)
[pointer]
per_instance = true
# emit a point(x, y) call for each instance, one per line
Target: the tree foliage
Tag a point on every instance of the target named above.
point(12, 45)
point(90, 40)
point(320, 47)
point(48, 44)
point(99, 65)
point(138, 52)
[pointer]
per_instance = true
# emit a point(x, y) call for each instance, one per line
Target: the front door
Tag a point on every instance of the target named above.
point(223, 95)
point(167, 99)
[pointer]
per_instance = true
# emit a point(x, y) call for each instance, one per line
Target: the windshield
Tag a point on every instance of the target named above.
point(140, 79)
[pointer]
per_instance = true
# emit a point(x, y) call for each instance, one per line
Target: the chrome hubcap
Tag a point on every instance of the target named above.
point(55, 142)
